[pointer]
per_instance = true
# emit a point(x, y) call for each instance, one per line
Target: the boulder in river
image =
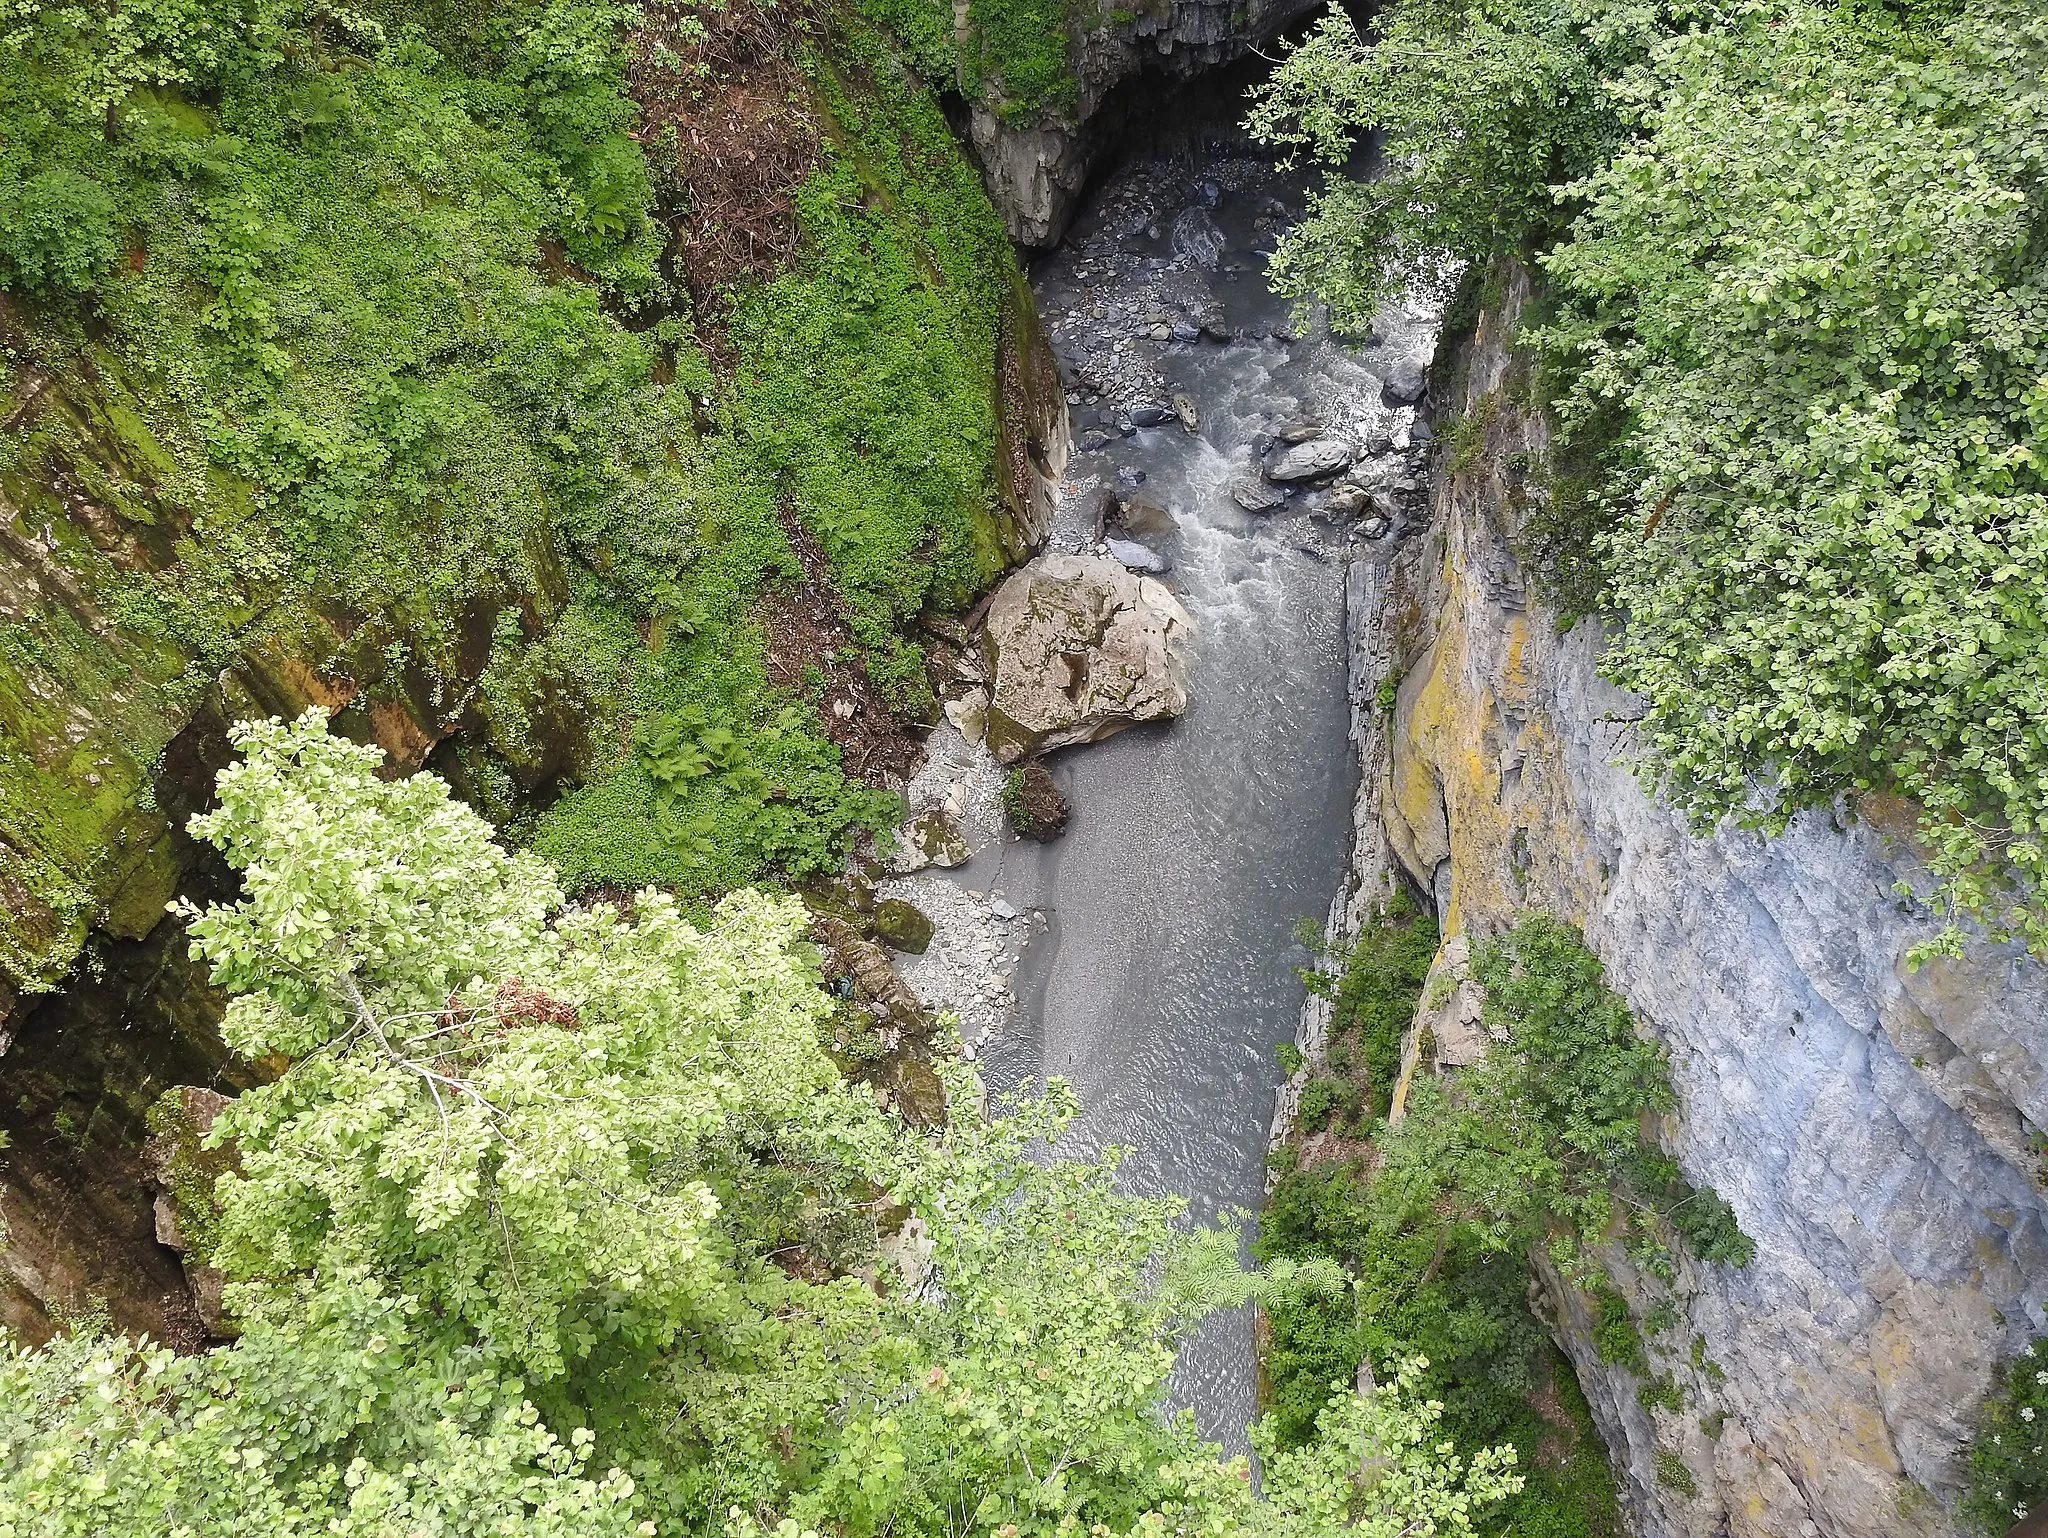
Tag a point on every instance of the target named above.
point(1404, 383)
point(1311, 460)
point(1080, 648)
point(1128, 552)
point(1143, 514)
point(1150, 415)
point(1033, 803)
point(1256, 496)
point(1184, 408)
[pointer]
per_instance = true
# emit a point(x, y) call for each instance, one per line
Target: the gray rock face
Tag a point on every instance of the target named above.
point(1311, 460)
point(1869, 1124)
point(1035, 170)
point(1079, 648)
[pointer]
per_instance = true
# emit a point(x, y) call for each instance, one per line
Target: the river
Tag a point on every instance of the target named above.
point(1161, 969)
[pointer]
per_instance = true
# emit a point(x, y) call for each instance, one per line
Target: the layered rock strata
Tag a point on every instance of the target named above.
point(1874, 1127)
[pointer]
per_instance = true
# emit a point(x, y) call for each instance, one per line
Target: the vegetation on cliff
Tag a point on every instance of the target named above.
point(1539, 1147)
point(423, 352)
point(1799, 287)
point(561, 1220)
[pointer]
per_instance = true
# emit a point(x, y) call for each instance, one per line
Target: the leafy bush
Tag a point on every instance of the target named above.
point(2008, 1457)
point(58, 233)
point(525, 1166)
point(1802, 282)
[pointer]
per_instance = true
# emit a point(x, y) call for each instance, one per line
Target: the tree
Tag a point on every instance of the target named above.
point(559, 1219)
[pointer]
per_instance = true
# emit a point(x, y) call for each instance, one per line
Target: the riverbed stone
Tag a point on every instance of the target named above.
point(902, 926)
point(1079, 648)
point(1255, 496)
point(1144, 514)
point(1310, 461)
point(1404, 382)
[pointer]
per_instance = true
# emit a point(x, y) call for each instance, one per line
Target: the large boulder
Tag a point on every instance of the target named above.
point(1079, 648)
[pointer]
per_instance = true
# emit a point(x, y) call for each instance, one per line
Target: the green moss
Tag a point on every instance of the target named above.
point(390, 387)
point(1672, 1473)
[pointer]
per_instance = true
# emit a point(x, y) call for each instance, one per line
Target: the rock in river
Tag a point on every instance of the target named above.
point(1079, 648)
point(1256, 496)
point(1404, 382)
point(1128, 552)
point(1310, 461)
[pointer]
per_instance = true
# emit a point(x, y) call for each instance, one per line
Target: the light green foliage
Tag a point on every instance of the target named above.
point(326, 1418)
point(2008, 1457)
point(539, 1172)
point(468, 1091)
point(1801, 301)
point(1483, 104)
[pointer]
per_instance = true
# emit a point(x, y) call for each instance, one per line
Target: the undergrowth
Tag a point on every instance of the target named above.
point(373, 318)
point(2008, 1458)
point(1540, 1145)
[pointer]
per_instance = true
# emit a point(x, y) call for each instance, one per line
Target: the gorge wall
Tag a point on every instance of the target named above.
point(1036, 162)
point(1873, 1127)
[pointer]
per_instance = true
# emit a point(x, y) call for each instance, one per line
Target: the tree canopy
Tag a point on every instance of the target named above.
point(1799, 308)
point(559, 1219)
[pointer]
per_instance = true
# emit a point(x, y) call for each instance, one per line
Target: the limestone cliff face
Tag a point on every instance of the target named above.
point(1036, 165)
point(1871, 1126)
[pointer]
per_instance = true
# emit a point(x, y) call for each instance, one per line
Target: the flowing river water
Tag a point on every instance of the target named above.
point(1161, 972)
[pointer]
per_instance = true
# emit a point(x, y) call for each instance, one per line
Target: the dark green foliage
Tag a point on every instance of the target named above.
point(1616, 1339)
point(2009, 1454)
point(391, 300)
point(1021, 48)
point(1014, 52)
point(58, 233)
point(1372, 996)
point(1534, 1146)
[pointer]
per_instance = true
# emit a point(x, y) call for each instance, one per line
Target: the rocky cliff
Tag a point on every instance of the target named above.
point(1874, 1127)
point(1036, 163)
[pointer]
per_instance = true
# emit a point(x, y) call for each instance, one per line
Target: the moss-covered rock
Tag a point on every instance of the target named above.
point(902, 926)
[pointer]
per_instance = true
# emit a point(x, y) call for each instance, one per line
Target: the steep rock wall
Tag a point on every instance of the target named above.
point(1036, 165)
point(1871, 1126)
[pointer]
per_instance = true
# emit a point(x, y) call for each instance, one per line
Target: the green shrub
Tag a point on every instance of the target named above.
point(1615, 1338)
point(2008, 1458)
point(59, 233)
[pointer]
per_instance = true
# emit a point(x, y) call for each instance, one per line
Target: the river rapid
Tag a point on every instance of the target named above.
point(1153, 960)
